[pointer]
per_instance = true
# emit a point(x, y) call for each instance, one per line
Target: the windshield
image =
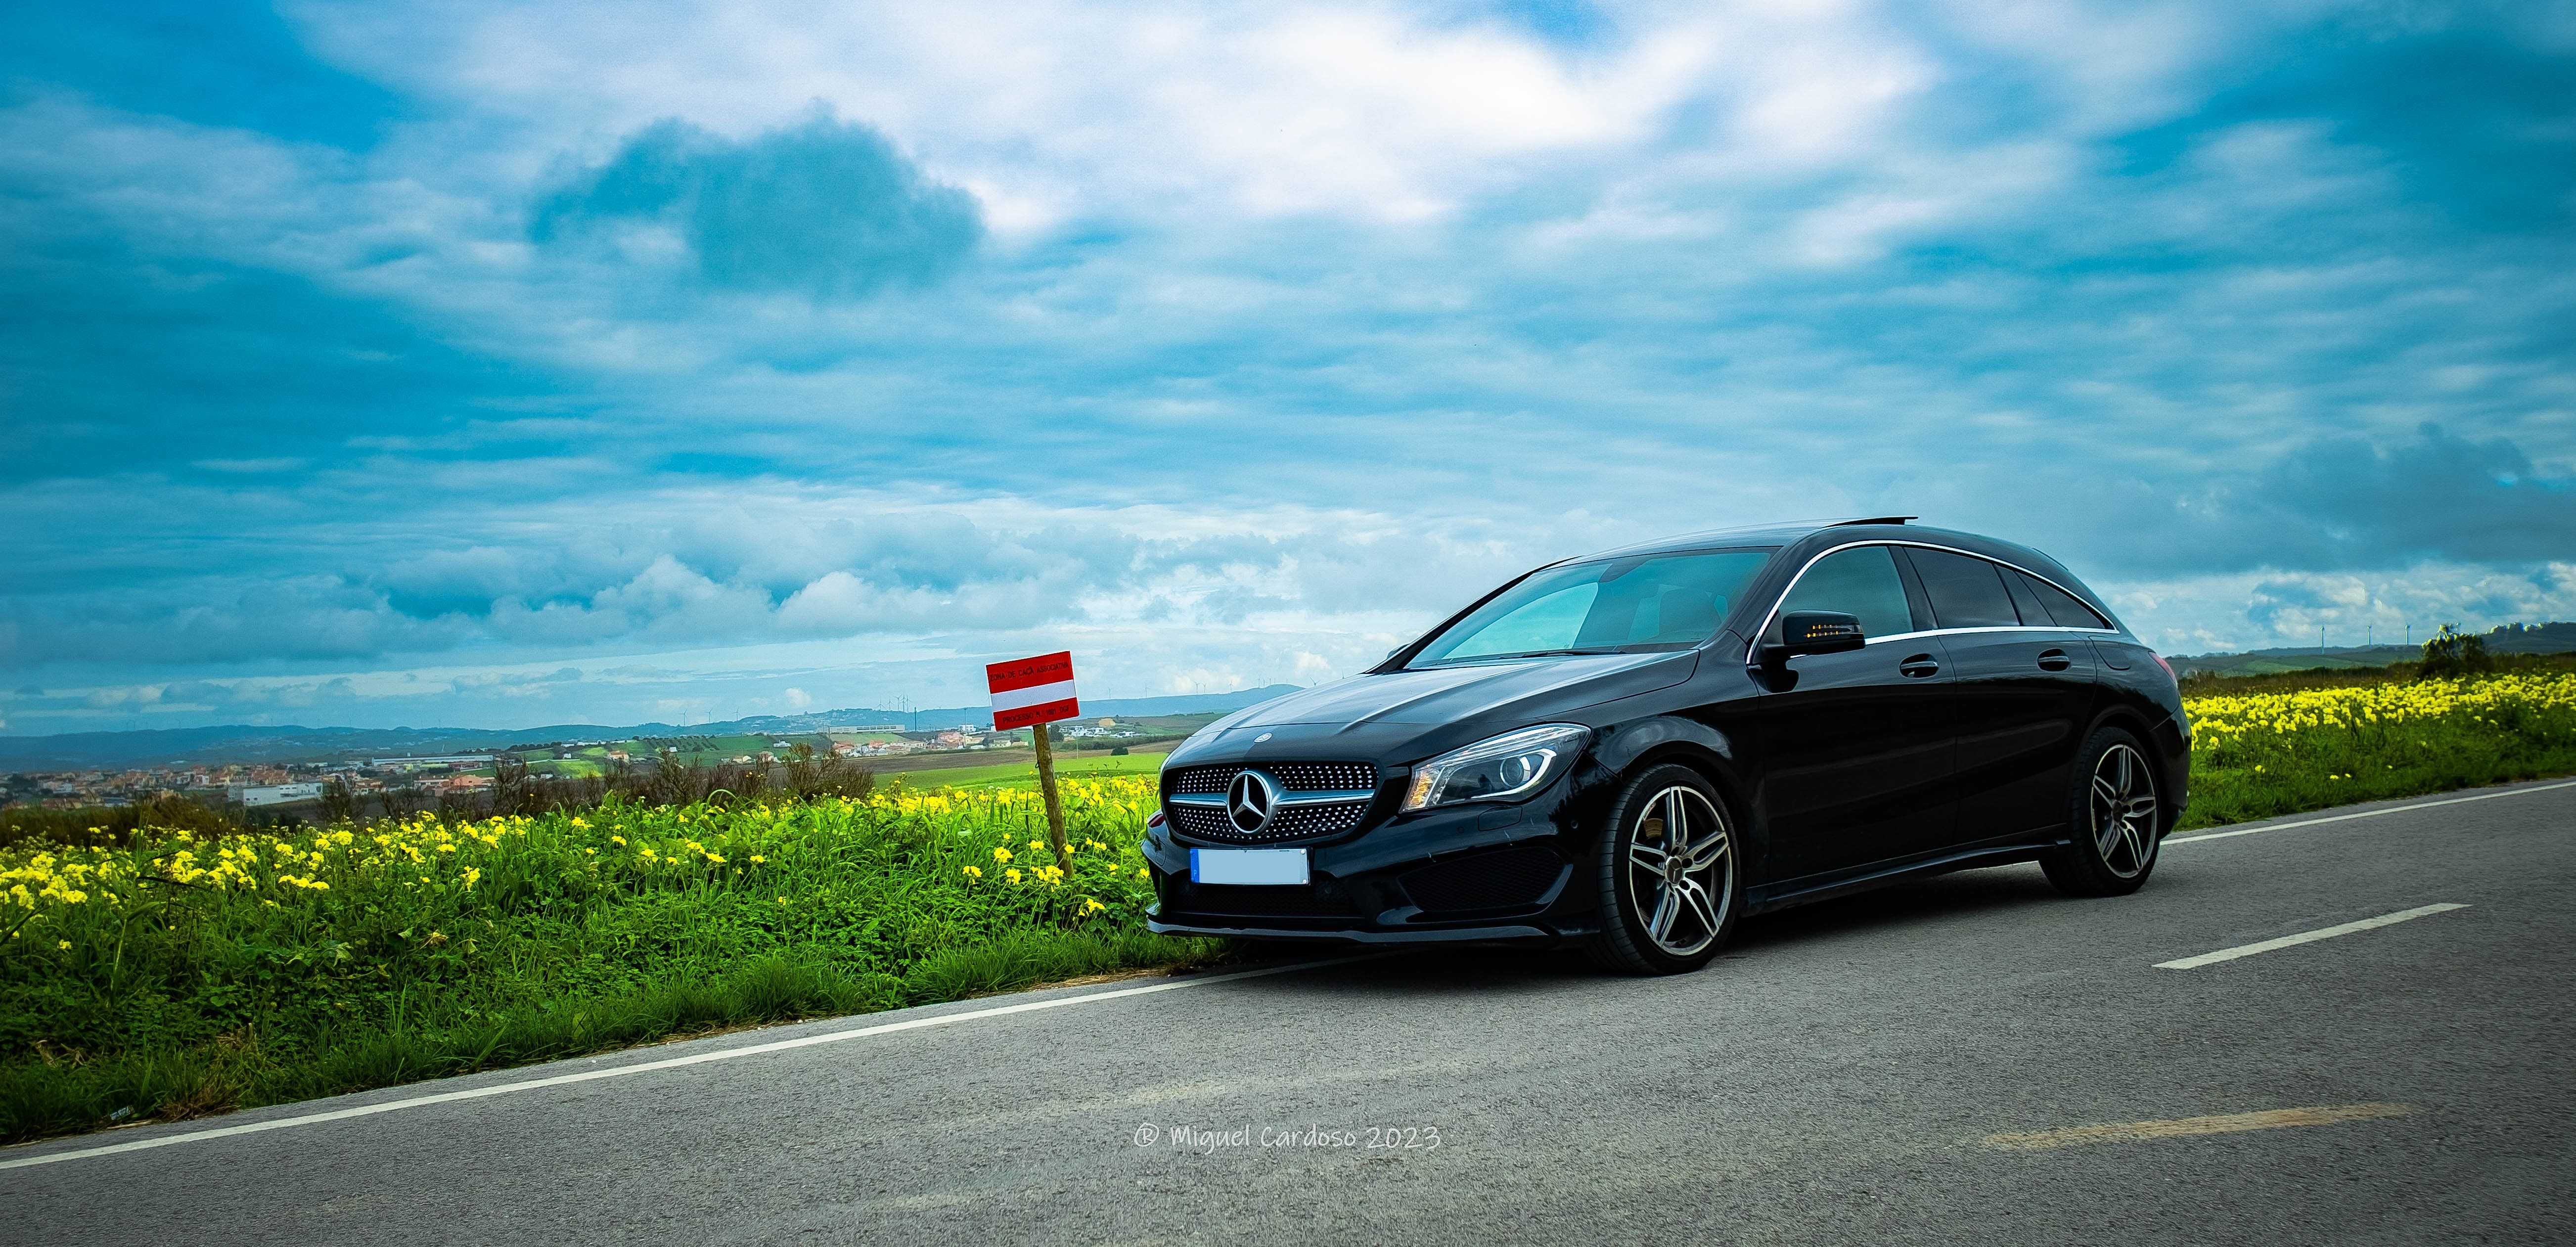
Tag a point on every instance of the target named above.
point(1613, 606)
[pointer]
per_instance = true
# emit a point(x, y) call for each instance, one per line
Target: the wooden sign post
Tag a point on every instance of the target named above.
point(1031, 693)
point(1054, 808)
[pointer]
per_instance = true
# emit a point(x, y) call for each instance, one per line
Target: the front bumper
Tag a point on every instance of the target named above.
point(1474, 874)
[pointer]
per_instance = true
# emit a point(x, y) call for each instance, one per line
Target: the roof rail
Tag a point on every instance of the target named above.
point(1875, 519)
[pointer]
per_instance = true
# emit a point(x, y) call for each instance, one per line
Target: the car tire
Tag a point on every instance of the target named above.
point(1649, 923)
point(2115, 817)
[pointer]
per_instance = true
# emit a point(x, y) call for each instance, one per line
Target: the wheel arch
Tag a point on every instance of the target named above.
point(1631, 747)
point(2136, 721)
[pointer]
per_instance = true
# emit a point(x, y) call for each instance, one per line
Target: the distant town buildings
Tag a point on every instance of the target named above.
point(414, 764)
point(279, 794)
point(297, 789)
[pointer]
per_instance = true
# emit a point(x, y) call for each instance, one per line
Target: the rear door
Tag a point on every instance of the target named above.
point(1856, 745)
point(2024, 691)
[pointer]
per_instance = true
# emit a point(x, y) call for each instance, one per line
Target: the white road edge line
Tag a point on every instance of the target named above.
point(2306, 937)
point(2394, 809)
point(697, 1058)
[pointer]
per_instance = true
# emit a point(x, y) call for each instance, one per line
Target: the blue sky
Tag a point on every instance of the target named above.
point(502, 364)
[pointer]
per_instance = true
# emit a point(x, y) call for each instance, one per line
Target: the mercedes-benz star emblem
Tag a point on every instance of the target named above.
point(1250, 801)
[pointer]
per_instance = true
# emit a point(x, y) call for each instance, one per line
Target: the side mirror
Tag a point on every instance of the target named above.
point(1815, 632)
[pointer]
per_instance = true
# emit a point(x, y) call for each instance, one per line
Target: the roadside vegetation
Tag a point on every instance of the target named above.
point(161, 965)
point(175, 973)
point(2259, 754)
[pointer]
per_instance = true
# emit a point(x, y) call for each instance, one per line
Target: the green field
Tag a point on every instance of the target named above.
point(176, 975)
point(1025, 775)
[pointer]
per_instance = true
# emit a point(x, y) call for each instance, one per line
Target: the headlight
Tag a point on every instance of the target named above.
point(1511, 765)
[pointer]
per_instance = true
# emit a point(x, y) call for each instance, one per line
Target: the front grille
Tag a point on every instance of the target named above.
point(1510, 879)
point(1294, 822)
point(1292, 776)
point(1208, 823)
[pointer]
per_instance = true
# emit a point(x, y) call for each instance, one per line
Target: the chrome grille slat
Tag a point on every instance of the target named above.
point(1292, 776)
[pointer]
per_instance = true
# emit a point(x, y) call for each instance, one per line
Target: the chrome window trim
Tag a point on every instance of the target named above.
point(1216, 800)
point(1909, 636)
point(1773, 614)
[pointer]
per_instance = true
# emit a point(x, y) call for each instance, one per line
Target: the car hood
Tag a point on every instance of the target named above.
point(1449, 694)
point(1376, 714)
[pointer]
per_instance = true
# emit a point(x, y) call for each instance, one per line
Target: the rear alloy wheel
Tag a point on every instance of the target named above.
point(1668, 873)
point(2116, 821)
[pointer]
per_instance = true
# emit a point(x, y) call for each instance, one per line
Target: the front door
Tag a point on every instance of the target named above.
point(1856, 745)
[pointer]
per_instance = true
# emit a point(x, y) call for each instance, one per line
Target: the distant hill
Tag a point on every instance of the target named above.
point(245, 743)
point(2546, 638)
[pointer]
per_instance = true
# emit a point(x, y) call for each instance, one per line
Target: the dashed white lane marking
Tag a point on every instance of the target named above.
point(647, 1067)
point(2345, 818)
point(2306, 937)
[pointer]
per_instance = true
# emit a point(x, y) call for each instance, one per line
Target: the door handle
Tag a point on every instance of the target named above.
point(2054, 660)
point(1919, 667)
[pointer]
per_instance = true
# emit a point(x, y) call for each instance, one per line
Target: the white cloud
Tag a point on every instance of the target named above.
point(1306, 324)
point(1061, 109)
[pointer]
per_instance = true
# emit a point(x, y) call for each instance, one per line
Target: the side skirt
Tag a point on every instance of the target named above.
point(1812, 888)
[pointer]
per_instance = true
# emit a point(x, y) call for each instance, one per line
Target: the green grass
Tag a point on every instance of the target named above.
point(196, 990)
point(2286, 745)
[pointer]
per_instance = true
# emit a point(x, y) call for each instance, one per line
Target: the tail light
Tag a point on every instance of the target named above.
point(2169, 671)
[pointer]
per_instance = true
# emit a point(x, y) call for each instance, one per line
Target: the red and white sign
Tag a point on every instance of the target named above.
point(1032, 690)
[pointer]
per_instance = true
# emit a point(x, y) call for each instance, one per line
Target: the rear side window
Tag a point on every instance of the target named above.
point(2025, 596)
point(1860, 582)
point(1966, 592)
point(2066, 609)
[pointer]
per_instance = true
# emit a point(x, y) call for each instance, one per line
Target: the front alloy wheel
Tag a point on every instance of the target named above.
point(1668, 871)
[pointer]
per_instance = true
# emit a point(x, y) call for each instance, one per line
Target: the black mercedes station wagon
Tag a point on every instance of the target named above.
point(1632, 750)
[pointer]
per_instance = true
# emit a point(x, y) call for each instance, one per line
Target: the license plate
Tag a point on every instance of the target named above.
point(1248, 865)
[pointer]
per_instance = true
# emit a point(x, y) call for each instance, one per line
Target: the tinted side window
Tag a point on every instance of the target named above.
point(2067, 609)
point(2025, 596)
point(1966, 592)
point(1861, 582)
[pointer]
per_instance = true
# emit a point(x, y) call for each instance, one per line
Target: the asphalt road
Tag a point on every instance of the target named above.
point(1835, 1078)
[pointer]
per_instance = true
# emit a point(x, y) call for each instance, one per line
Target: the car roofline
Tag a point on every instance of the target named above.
point(1780, 534)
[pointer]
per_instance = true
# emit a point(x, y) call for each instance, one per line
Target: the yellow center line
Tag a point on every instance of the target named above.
point(2178, 1127)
